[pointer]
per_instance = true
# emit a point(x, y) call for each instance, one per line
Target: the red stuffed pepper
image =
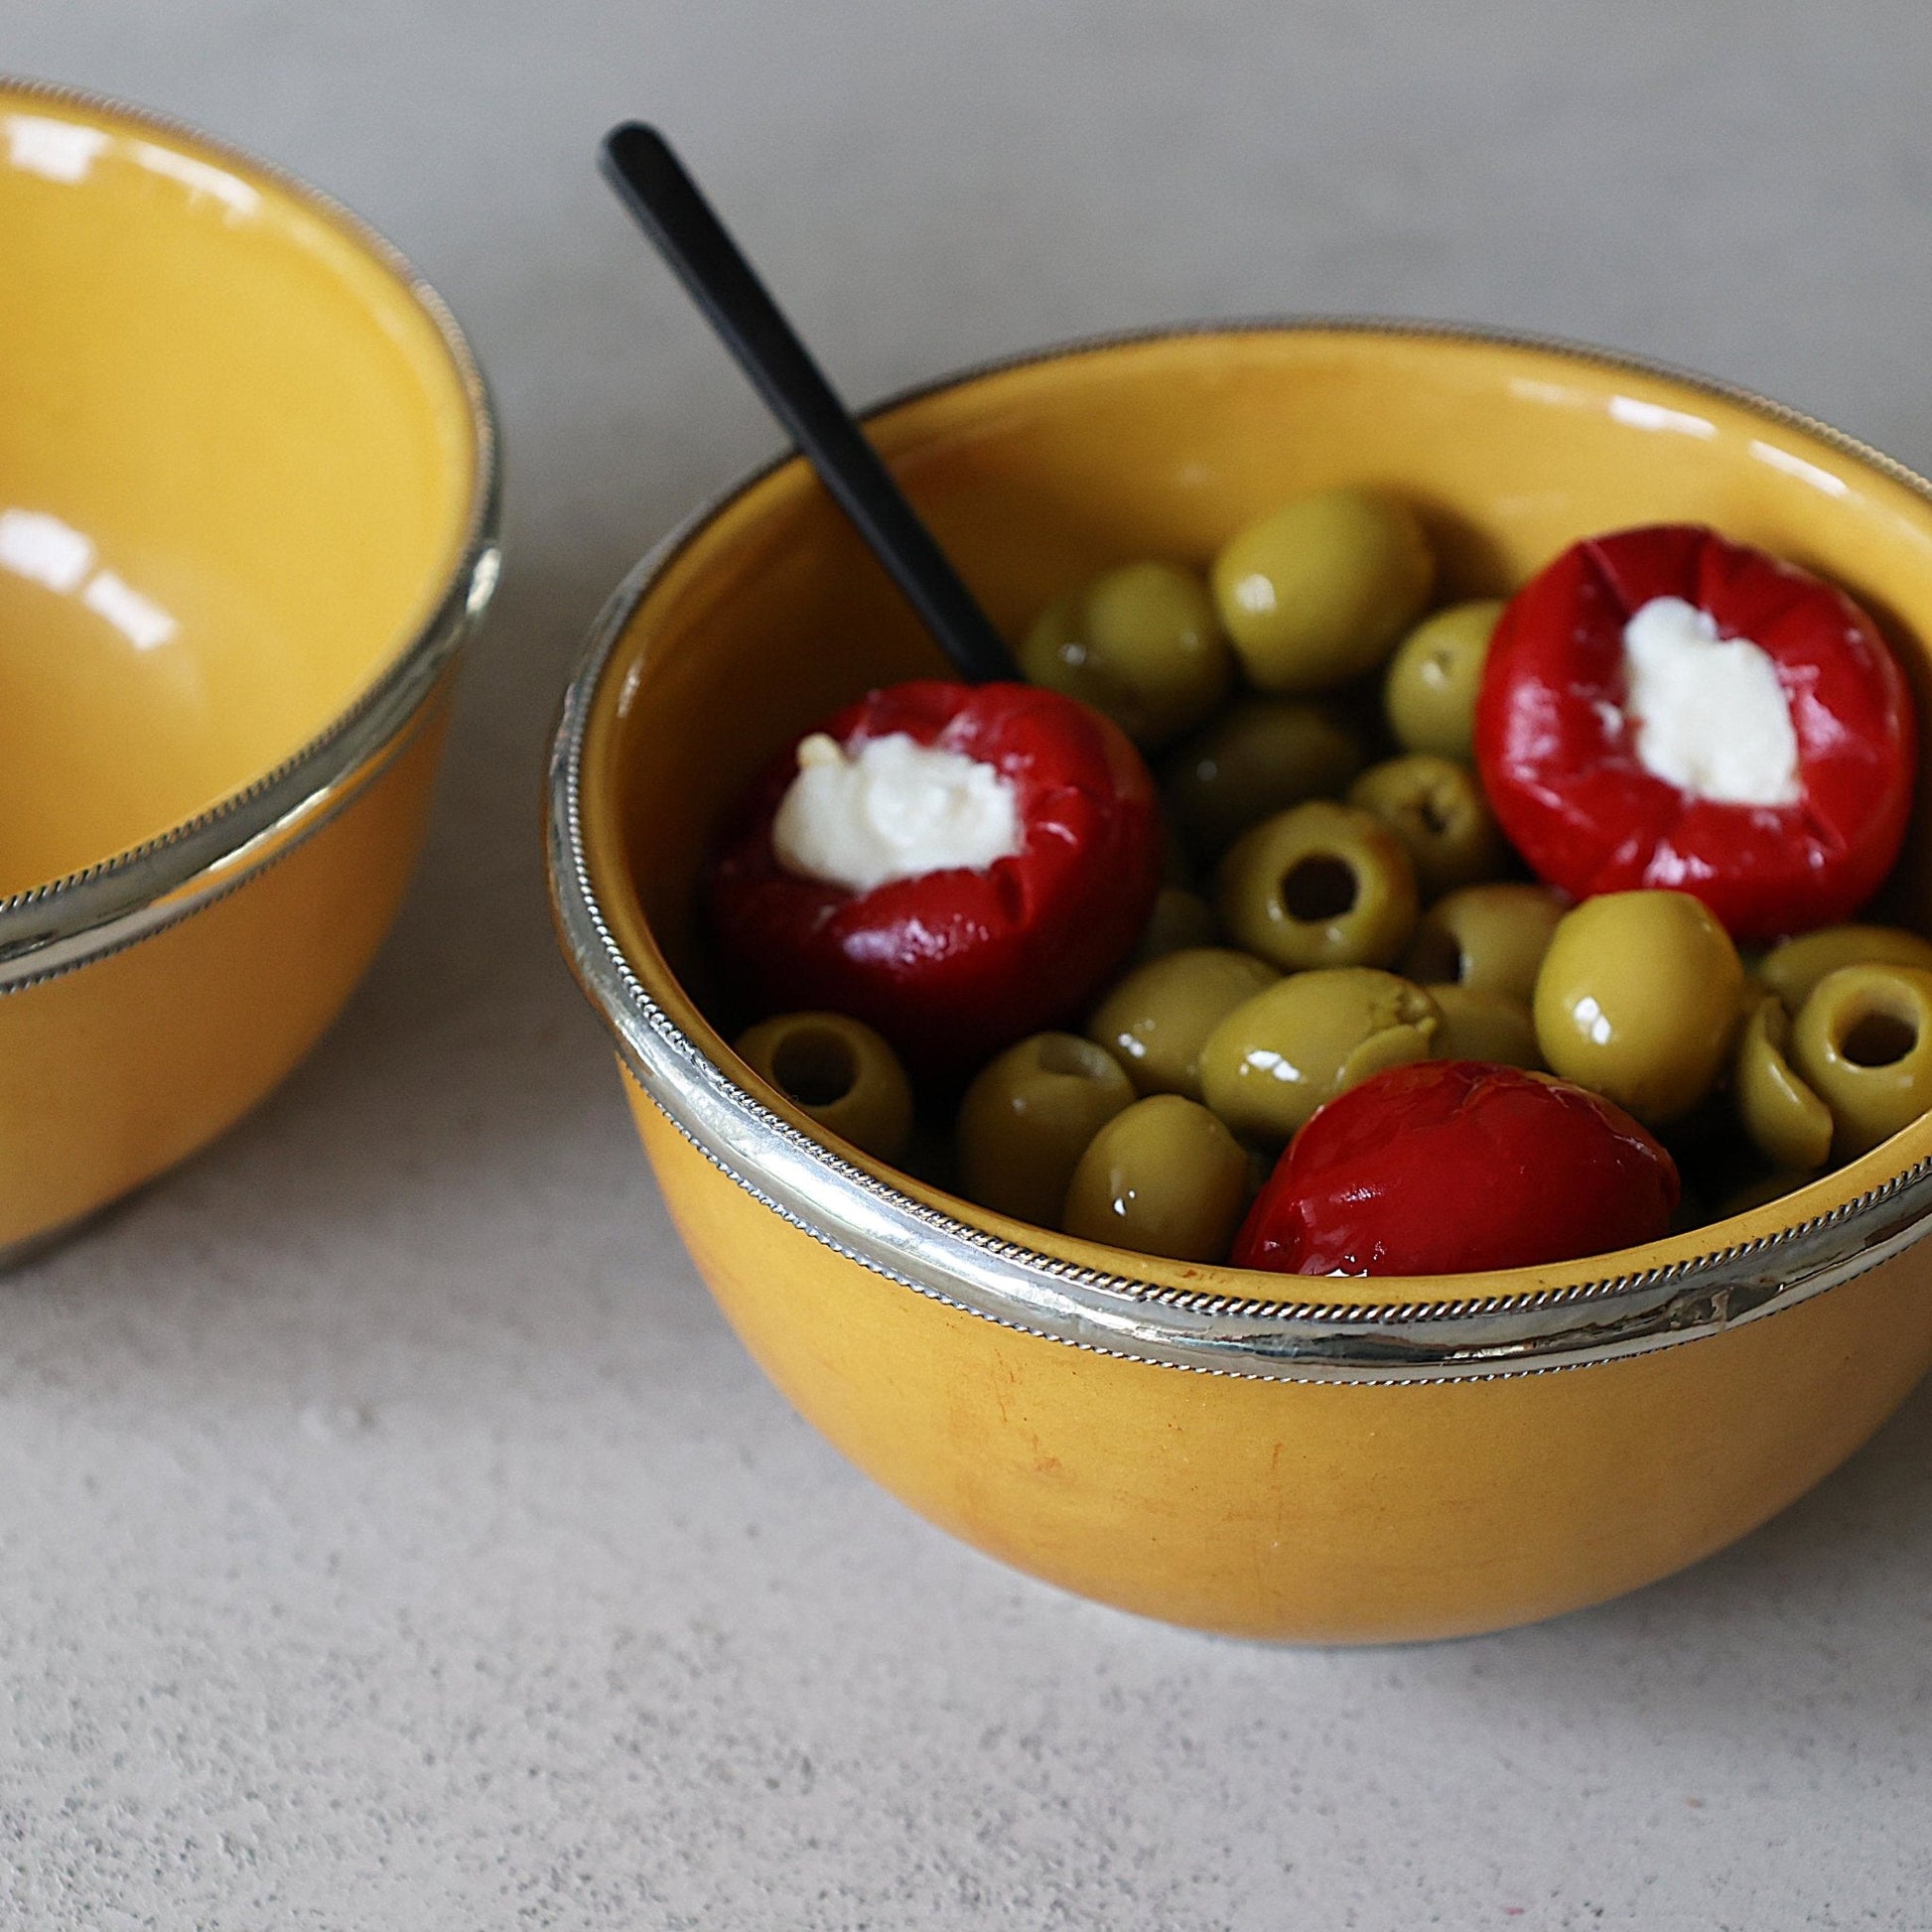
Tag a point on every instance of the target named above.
point(956, 864)
point(1446, 1166)
point(1662, 708)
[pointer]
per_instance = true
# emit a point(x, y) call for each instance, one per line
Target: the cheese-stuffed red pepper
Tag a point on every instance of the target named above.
point(1662, 708)
point(956, 864)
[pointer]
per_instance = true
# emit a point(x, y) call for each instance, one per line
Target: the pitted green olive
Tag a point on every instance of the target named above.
point(1300, 1042)
point(1792, 969)
point(1321, 590)
point(1638, 999)
point(1157, 1019)
point(1162, 1178)
point(1862, 1042)
point(1477, 1025)
point(1436, 807)
point(1492, 937)
point(1141, 643)
point(1257, 758)
point(1028, 1118)
point(1788, 1123)
point(1430, 693)
point(839, 1071)
point(1320, 884)
point(1179, 919)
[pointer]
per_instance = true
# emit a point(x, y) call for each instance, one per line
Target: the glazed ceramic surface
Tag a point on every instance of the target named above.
point(1252, 1453)
point(247, 490)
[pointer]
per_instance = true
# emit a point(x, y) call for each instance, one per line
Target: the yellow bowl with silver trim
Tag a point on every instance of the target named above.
point(247, 515)
point(1313, 1461)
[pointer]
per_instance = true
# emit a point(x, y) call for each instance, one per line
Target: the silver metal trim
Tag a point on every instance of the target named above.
point(858, 1215)
point(67, 922)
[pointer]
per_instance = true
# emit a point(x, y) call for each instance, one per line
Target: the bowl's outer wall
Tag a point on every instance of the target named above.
point(1277, 1508)
point(113, 1072)
point(1303, 1511)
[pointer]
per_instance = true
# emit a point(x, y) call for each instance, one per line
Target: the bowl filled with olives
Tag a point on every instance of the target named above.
point(1444, 902)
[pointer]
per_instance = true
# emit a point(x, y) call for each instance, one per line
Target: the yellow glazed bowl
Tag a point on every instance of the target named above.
point(1271, 1456)
point(247, 515)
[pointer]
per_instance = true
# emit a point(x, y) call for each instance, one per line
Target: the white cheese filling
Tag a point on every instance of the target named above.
point(1708, 713)
point(894, 809)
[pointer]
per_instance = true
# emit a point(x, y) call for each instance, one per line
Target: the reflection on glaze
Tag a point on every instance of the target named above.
point(1796, 466)
point(43, 550)
point(62, 151)
point(1564, 395)
point(141, 620)
point(197, 177)
point(1635, 413)
point(65, 151)
point(59, 558)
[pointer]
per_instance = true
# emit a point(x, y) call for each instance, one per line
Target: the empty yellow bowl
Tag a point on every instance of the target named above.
point(1335, 1461)
point(247, 515)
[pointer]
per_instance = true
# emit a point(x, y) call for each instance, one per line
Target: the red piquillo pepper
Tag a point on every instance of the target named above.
point(1558, 750)
point(1445, 1167)
point(952, 965)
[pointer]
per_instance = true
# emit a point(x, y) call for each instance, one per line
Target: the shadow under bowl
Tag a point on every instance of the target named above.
point(247, 518)
point(1332, 1461)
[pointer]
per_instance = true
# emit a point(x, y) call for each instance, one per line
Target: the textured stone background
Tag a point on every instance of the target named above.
point(392, 1535)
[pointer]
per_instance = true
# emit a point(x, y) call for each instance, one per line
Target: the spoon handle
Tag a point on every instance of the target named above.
point(673, 212)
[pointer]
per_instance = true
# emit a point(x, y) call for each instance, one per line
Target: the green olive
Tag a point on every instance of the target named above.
point(1257, 758)
point(1278, 1055)
point(1788, 1123)
point(1027, 1119)
point(1478, 1025)
point(1141, 643)
point(1488, 937)
point(839, 1071)
point(1862, 1042)
point(1320, 884)
point(1321, 590)
point(1179, 919)
point(1156, 1019)
point(1429, 692)
point(1794, 968)
point(1164, 1177)
point(1638, 999)
point(1436, 807)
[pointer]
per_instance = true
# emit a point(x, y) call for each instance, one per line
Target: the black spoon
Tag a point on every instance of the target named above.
point(673, 212)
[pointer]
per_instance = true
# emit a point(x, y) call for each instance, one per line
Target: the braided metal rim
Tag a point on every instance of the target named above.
point(54, 928)
point(859, 1215)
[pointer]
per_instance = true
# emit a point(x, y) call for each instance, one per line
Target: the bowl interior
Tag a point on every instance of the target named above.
point(769, 614)
point(237, 466)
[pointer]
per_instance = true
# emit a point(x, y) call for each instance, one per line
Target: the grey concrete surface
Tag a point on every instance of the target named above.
point(391, 1535)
